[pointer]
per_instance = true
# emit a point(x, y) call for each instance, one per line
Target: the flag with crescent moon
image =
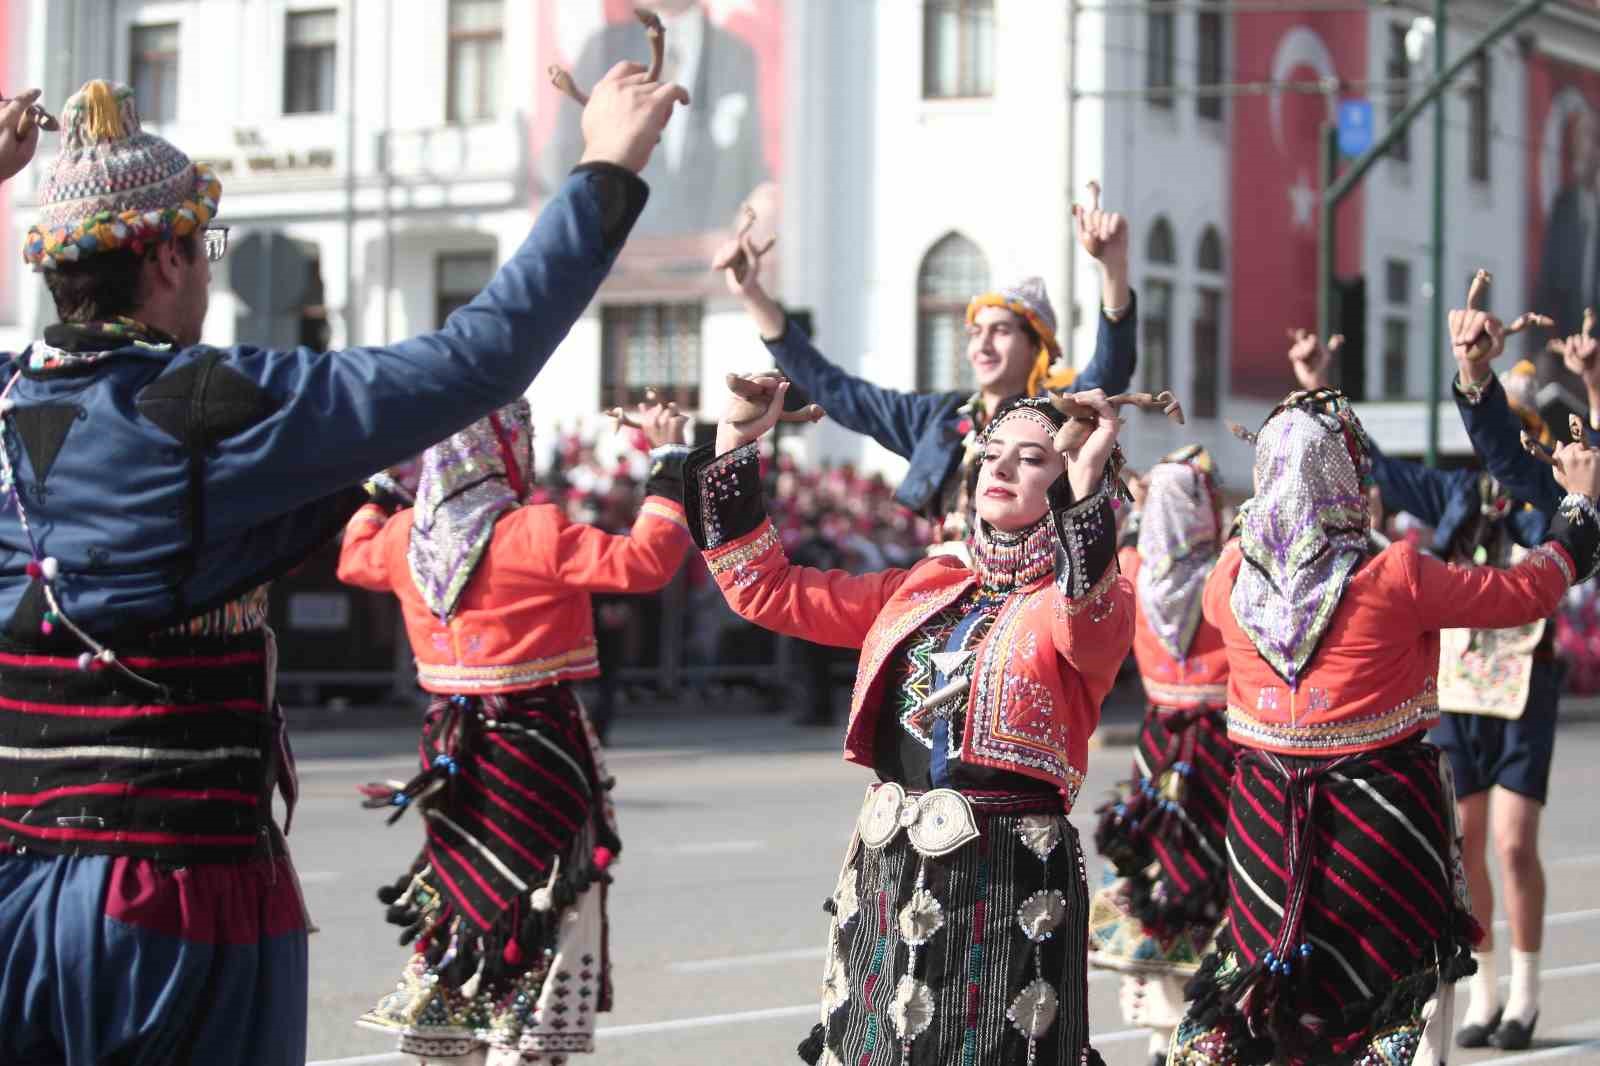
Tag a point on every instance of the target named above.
point(1275, 184)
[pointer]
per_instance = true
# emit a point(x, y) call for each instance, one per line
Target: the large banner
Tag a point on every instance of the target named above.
point(723, 152)
point(1275, 185)
point(1563, 190)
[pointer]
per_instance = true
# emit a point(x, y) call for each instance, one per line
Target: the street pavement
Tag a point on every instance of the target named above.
point(734, 822)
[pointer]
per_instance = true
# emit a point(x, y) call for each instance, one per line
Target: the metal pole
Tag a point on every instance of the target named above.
point(1436, 305)
point(1327, 235)
point(1402, 122)
point(1071, 168)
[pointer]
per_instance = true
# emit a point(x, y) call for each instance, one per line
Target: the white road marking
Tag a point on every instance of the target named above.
point(735, 962)
point(1575, 860)
point(1554, 920)
point(713, 847)
point(320, 877)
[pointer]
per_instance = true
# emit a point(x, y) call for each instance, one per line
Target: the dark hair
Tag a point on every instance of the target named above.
point(106, 284)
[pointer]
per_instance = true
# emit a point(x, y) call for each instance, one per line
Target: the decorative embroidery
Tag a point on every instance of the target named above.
point(460, 678)
point(719, 481)
point(1267, 698)
point(766, 541)
point(1419, 712)
point(1175, 694)
point(664, 509)
point(1094, 600)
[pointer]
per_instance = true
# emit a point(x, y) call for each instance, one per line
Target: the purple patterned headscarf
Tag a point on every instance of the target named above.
point(1177, 546)
point(466, 483)
point(1305, 533)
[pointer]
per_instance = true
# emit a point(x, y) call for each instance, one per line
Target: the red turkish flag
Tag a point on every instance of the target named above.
point(1276, 196)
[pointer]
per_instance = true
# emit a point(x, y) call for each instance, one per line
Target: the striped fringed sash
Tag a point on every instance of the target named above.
point(517, 822)
point(179, 769)
point(1173, 812)
point(1343, 916)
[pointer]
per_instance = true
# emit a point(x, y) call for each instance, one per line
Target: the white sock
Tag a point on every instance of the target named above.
point(1160, 1040)
point(1523, 1002)
point(1483, 991)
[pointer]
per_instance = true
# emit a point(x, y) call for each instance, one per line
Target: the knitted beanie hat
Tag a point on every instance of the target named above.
point(1027, 299)
point(113, 185)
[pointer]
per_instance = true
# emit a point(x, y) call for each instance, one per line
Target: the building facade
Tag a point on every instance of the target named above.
point(379, 157)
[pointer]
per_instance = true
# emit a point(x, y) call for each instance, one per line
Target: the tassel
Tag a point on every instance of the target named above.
point(103, 121)
point(810, 1049)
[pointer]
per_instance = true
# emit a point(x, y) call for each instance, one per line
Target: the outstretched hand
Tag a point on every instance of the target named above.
point(1103, 234)
point(626, 112)
point(1309, 358)
point(752, 413)
point(19, 133)
point(1577, 469)
point(1086, 443)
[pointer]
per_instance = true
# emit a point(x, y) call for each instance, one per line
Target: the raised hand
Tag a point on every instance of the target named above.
point(1086, 442)
point(754, 406)
point(626, 112)
point(662, 423)
point(1478, 338)
point(1577, 469)
point(1103, 234)
point(19, 132)
point(1309, 358)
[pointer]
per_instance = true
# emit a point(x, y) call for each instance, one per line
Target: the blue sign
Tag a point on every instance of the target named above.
point(1355, 127)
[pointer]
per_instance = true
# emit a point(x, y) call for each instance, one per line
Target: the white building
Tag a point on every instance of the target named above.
point(378, 158)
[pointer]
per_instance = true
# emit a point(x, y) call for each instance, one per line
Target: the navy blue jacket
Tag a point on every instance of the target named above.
point(922, 426)
point(1446, 499)
point(166, 482)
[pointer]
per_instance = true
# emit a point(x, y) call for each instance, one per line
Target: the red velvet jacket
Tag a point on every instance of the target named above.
point(1199, 679)
point(1371, 682)
point(1040, 673)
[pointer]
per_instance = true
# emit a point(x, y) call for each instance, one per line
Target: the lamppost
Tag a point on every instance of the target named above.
point(1422, 32)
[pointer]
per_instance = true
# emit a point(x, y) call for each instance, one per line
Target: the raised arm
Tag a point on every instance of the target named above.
point(1477, 338)
point(1093, 608)
point(1105, 236)
point(1482, 597)
point(361, 554)
point(895, 419)
point(728, 519)
point(296, 425)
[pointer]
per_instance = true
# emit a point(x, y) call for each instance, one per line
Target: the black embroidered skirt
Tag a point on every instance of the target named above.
point(974, 956)
point(1347, 911)
point(1164, 840)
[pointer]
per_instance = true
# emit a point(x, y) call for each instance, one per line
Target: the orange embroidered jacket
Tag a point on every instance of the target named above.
point(1040, 674)
point(524, 619)
point(1200, 679)
point(1371, 682)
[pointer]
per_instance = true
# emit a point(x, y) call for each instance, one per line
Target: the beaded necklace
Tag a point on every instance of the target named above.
point(1007, 561)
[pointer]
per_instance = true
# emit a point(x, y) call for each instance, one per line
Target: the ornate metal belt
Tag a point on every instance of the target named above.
point(936, 822)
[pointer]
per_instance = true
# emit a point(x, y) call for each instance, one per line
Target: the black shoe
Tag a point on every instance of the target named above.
point(1158, 1059)
point(1513, 1035)
point(1477, 1035)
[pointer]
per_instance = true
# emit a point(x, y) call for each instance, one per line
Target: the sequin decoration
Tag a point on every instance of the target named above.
point(1040, 834)
point(835, 983)
point(1034, 1009)
point(920, 918)
point(1005, 561)
point(911, 1011)
point(1041, 913)
point(846, 897)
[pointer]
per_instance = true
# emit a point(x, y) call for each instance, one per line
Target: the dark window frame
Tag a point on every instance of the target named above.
point(457, 43)
point(1397, 70)
point(141, 59)
point(1161, 54)
point(1211, 44)
point(1480, 120)
point(974, 80)
point(1395, 386)
point(447, 300)
point(619, 321)
point(300, 97)
point(935, 303)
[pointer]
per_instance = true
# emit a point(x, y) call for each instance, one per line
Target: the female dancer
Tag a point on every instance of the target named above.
point(1163, 836)
point(506, 902)
point(958, 929)
point(1347, 908)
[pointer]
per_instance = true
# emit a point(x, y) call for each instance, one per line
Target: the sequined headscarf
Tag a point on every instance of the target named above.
point(1177, 545)
point(466, 483)
point(1305, 533)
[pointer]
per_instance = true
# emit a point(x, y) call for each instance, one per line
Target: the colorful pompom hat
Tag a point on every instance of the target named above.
point(113, 185)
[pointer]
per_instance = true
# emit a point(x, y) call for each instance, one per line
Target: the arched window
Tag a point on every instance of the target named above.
point(952, 273)
point(1205, 385)
point(1155, 311)
point(1209, 258)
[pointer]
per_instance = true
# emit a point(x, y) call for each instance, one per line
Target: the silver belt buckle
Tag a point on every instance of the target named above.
point(937, 822)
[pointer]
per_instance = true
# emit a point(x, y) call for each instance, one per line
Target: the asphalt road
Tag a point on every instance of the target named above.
point(733, 828)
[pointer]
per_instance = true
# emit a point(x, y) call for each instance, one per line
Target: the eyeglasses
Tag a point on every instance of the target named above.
point(216, 242)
